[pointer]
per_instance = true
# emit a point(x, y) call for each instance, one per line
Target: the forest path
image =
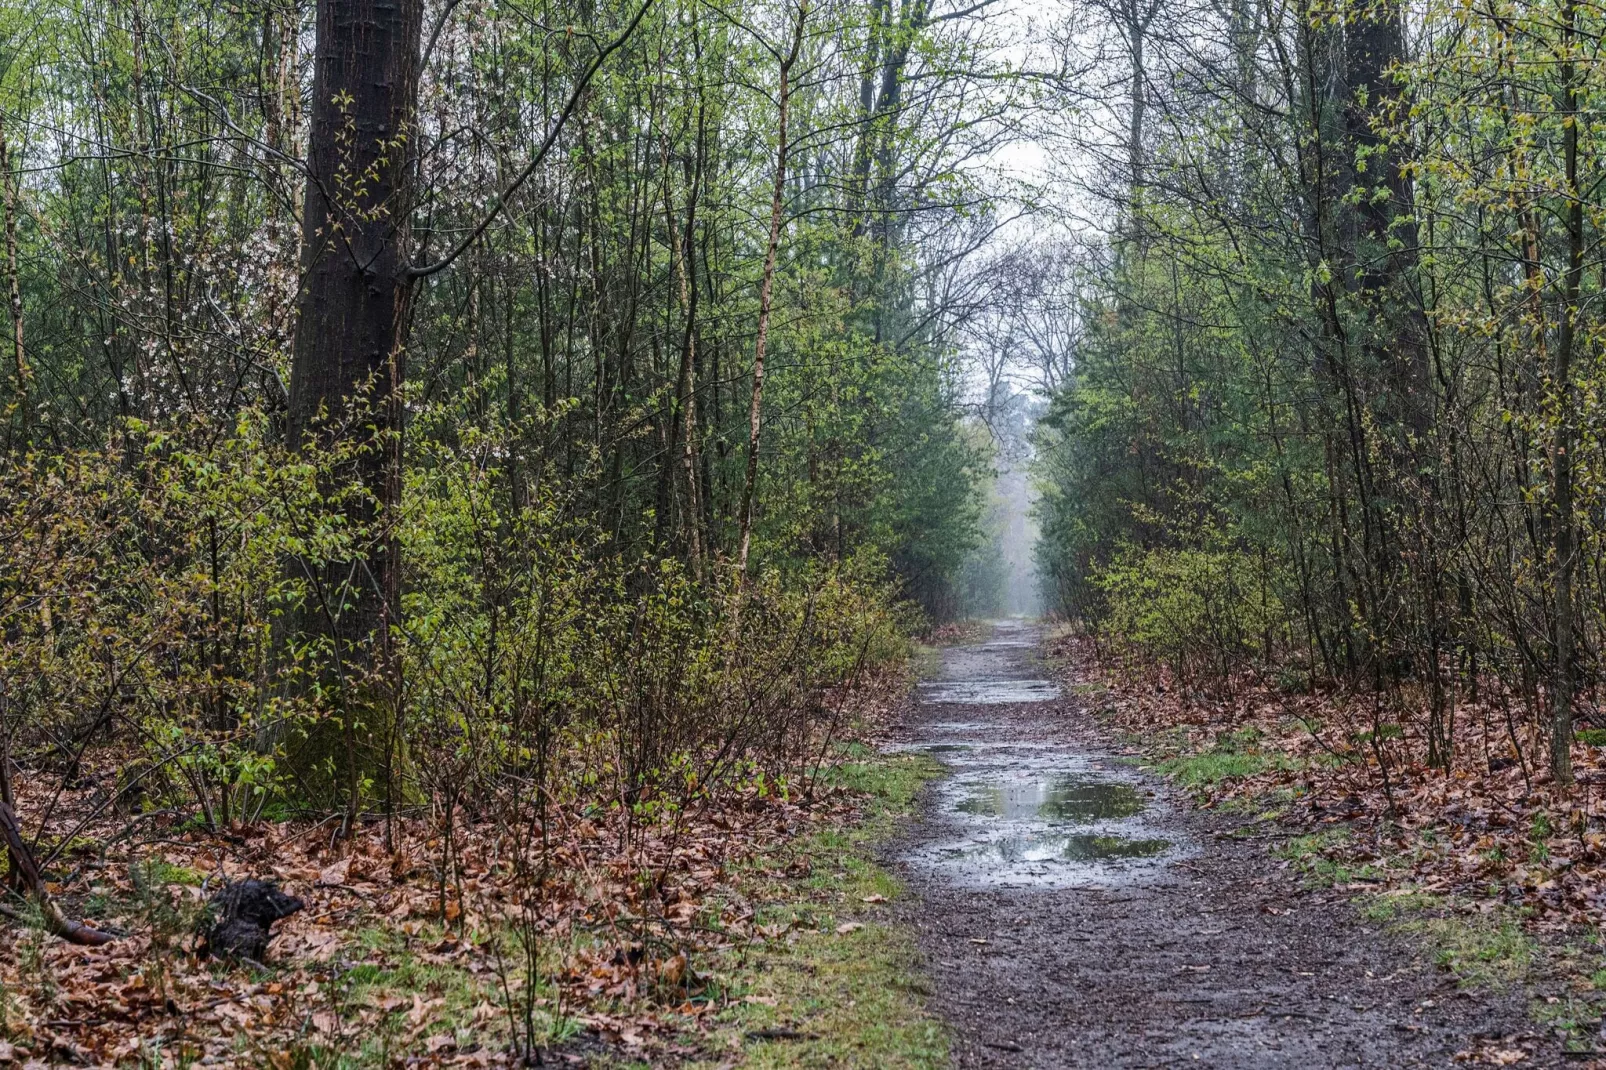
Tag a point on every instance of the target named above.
point(1076, 913)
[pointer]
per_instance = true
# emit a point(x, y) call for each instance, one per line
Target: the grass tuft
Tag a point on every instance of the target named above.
point(841, 988)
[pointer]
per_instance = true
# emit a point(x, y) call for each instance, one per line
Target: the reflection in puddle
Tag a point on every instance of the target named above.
point(1066, 798)
point(1051, 847)
point(1094, 848)
point(1030, 816)
point(1057, 800)
point(989, 692)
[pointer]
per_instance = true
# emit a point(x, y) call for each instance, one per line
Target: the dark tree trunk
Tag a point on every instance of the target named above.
point(1382, 231)
point(1564, 546)
point(348, 367)
point(347, 375)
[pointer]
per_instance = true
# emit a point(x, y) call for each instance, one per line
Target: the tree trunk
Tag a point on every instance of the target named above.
point(1136, 30)
point(864, 146)
point(766, 289)
point(685, 423)
point(347, 374)
point(1382, 228)
point(25, 872)
point(1563, 532)
point(23, 374)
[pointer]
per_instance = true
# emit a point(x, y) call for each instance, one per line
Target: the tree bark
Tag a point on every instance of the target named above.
point(1563, 531)
point(1382, 231)
point(348, 369)
point(19, 355)
point(766, 289)
point(1137, 28)
point(681, 448)
point(26, 872)
point(348, 366)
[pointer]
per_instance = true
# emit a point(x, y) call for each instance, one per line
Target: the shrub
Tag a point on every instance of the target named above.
point(1204, 611)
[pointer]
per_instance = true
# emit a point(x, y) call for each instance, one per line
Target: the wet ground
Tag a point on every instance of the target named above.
point(1075, 913)
point(1024, 814)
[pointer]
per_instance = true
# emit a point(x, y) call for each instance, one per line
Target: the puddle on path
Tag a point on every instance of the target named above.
point(1066, 798)
point(988, 692)
point(1093, 848)
point(1053, 847)
point(1016, 812)
point(1037, 816)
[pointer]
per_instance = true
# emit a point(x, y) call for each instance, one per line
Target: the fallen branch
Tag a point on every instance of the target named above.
point(26, 869)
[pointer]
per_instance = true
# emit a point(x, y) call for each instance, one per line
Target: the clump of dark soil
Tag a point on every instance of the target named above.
point(243, 914)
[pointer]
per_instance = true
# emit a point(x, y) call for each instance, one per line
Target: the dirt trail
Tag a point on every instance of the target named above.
point(1075, 913)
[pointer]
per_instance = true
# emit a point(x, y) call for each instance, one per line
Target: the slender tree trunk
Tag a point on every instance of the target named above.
point(25, 872)
point(686, 389)
point(1137, 30)
point(884, 129)
point(20, 370)
point(1133, 18)
point(766, 288)
point(680, 445)
point(864, 147)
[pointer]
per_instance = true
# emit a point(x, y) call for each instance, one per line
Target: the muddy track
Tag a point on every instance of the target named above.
point(1076, 913)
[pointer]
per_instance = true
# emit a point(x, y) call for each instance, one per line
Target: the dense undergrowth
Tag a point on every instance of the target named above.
point(532, 820)
point(1336, 409)
point(737, 919)
point(491, 518)
point(1322, 487)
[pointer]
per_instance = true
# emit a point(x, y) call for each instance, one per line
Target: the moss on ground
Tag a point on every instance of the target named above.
point(1482, 948)
point(1312, 855)
point(843, 987)
point(1233, 756)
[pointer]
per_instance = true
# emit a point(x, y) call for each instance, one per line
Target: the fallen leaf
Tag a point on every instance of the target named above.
point(422, 1009)
point(848, 927)
point(228, 1011)
point(315, 945)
